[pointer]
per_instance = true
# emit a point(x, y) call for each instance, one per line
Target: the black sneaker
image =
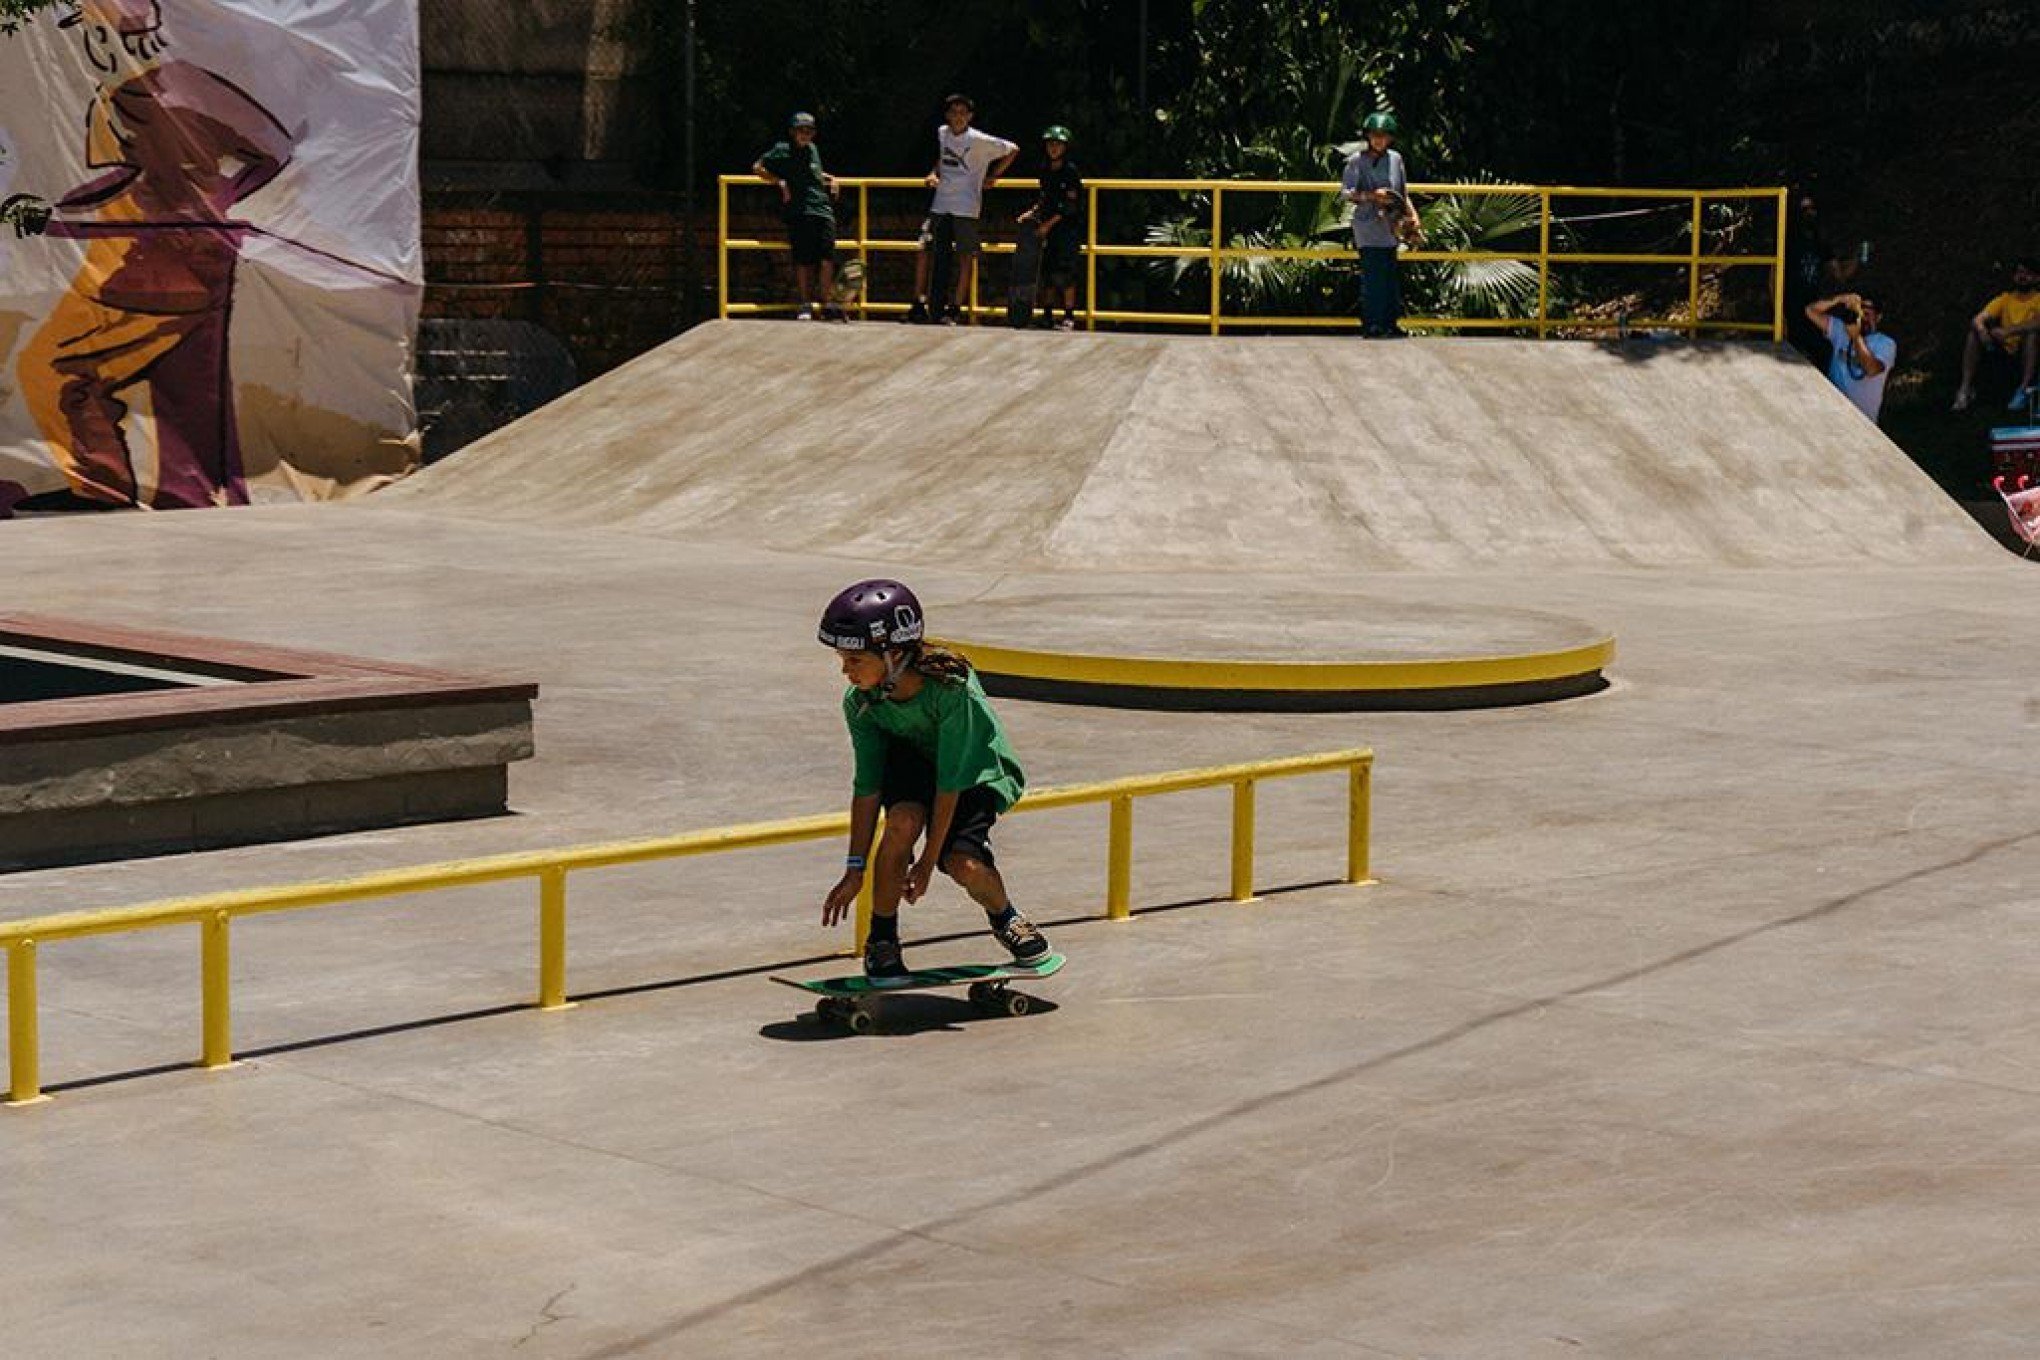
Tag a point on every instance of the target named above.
point(1018, 934)
point(882, 959)
point(917, 315)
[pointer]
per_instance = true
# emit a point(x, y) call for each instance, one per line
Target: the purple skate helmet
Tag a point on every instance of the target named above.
point(872, 616)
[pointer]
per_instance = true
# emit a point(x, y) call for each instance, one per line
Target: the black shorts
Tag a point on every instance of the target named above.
point(910, 778)
point(1060, 255)
point(813, 238)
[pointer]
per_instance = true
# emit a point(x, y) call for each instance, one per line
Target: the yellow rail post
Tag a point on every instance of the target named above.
point(1091, 262)
point(1243, 841)
point(24, 1057)
point(552, 940)
point(1359, 791)
point(864, 249)
point(1119, 861)
point(1693, 283)
point(1217, 255)
point(1543, 264)
point(1778, 276)
point(862, 930)
point(215, 989)
point(722, 249)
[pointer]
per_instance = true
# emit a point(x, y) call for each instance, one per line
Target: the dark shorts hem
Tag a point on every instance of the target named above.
point(813, 239)
point(1060, 256)
point(910, 778)
point(962, 232)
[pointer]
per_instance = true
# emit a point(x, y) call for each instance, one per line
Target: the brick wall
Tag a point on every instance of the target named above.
point(611, 280)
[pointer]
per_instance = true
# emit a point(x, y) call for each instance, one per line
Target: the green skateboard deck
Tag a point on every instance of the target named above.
point(848, 999)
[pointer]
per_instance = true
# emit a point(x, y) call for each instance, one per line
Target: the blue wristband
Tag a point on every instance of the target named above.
point(853, 861)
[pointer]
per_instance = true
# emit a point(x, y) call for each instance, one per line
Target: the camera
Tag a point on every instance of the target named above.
point(1845, 314)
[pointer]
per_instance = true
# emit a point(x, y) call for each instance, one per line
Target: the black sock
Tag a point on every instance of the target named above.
point(884, 928)
point(1000, 917)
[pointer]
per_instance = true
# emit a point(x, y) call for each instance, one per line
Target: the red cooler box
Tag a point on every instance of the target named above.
point(2015, 451)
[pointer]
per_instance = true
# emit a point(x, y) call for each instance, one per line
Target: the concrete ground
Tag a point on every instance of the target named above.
point(1689, 1019)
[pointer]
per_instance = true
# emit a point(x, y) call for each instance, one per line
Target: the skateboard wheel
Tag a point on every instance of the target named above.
point(860, 1021)
point(1018, 1003)
point(983, 993)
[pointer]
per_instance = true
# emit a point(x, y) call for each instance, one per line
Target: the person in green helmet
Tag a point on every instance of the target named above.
point(1057, 216)
point(1378, 187)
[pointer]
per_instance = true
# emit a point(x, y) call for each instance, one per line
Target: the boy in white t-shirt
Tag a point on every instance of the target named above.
point(967, 163)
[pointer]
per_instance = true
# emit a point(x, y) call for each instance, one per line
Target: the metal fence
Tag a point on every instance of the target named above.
point(214, 914)
point(1550, 253)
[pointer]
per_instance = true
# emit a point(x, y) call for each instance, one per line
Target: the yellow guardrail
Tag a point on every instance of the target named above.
point(1216, 318)
point(214, 913)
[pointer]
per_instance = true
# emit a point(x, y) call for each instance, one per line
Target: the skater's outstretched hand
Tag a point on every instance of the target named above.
point(842, 897)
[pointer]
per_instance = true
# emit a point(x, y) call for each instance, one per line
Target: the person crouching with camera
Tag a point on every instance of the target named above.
point(1863, 354)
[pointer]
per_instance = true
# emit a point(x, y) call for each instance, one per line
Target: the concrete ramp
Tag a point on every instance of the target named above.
point(1138, 452)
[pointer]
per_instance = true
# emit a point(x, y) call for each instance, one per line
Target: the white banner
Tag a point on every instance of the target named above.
point(209, 257)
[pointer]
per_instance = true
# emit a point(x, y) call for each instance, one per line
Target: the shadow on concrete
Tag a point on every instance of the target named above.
point(1642, 349)
point(948, 1227)
point(776, 1031)
point(900, 1015)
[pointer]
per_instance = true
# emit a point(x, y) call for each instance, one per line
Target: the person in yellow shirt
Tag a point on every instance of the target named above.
point(2008, 325)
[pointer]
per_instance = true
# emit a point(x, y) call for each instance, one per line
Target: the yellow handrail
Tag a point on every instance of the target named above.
point(213, 912)
point(1216, 319)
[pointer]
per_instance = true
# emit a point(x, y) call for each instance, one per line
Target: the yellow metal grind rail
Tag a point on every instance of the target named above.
point(213, 914)
point(1771, 257)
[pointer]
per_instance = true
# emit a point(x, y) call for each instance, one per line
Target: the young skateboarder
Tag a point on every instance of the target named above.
point(931, 753)
point(1057, 217)
point(807, 195)
point(967, 162)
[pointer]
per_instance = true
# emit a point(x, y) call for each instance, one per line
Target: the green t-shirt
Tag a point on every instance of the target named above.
point(951, 724)
point(801, 168)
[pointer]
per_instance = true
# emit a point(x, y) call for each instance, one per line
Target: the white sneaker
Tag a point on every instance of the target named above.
point(805, 314)
point(1963, 398)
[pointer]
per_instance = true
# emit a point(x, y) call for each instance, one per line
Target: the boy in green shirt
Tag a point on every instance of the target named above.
point(930, 752)
point(807, 197)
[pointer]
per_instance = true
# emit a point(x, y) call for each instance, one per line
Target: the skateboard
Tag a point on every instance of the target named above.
point(852, 1001)
point(1020, 294)
point(1408, 228)
point(849, 286)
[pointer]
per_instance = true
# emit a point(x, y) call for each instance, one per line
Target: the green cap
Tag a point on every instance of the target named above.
point(1381, 122)
point(1056, 132)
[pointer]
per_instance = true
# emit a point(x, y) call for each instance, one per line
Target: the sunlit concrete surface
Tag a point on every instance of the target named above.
point(1688, 1019)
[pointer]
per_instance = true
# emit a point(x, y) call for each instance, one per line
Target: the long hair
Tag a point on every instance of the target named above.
point(940, 663)
point(937, 663)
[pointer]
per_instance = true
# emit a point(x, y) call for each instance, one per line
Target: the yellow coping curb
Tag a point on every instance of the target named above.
point(1286, 676)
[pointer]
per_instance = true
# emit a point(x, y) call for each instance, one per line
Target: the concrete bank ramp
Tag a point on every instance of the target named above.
point(1136, 452)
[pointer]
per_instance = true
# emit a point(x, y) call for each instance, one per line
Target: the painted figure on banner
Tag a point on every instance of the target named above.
point(172, 149)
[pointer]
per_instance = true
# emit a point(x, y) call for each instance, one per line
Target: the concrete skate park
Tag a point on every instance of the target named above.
point(1685, 1015)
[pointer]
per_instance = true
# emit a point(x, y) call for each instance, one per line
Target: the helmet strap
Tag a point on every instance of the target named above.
point(896, 663)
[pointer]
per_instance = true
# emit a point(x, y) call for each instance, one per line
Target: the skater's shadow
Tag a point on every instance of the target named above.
point(899, 1017)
